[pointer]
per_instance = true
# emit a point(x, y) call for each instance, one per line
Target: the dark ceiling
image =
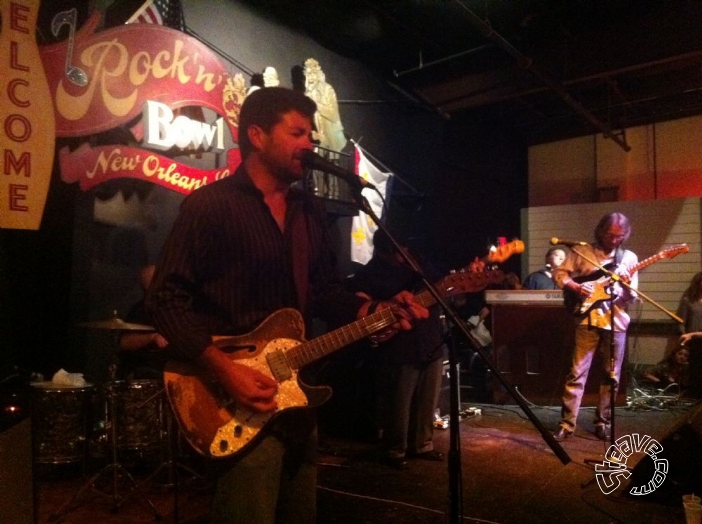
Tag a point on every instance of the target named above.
point(547, 69)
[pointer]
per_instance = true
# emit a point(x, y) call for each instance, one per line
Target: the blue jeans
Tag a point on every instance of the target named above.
point(587, 341)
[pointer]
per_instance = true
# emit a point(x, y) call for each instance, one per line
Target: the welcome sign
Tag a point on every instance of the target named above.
point(28, 128)
point(129, 78)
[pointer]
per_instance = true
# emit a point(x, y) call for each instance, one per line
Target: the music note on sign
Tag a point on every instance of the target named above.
point(74, 73)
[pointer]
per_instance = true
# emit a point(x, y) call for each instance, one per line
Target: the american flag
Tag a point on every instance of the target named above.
point(162, 12)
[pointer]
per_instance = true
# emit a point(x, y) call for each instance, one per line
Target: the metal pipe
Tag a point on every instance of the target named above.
point(423, 66)
point(526, 63)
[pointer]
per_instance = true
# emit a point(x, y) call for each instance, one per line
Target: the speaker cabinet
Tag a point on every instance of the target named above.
point(16, 492)
point(682, 448)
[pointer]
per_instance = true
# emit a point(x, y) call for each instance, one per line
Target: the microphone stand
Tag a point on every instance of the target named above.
point(454, 458)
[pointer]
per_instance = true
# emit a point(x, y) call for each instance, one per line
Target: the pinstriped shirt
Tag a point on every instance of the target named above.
point(226, 266)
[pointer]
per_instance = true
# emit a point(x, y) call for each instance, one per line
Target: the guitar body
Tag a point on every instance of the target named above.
point(209, 420)
point(600, 282)
point(216, 427)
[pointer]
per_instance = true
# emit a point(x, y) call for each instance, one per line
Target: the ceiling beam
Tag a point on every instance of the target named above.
point(526, 63)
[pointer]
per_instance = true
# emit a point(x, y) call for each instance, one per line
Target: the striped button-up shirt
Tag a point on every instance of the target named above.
point(226, 266)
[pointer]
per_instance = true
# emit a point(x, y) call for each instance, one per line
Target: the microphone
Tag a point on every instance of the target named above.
point(312, 160)
point(570, 243)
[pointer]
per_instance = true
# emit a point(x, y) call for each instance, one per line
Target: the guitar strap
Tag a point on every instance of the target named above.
point(618, 256)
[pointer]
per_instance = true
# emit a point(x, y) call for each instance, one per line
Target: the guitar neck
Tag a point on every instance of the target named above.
point(646, 262)
point(312, 350)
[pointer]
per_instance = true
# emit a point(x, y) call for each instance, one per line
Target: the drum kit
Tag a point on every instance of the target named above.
point(137, 419)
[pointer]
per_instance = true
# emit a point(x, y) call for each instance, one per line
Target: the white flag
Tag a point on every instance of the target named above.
point(363, 226)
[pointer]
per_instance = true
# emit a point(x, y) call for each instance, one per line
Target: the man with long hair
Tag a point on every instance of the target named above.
point(601, 326)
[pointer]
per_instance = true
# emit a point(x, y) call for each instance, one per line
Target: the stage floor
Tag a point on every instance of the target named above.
point(507, 474)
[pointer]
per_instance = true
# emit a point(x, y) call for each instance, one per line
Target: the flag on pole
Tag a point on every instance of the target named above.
point(160, 12)
point(363, 226)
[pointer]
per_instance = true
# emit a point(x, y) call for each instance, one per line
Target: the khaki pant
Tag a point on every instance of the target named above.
point(587, 341)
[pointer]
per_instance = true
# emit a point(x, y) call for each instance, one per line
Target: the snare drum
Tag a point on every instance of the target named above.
point(138, 413)
point(60, 416)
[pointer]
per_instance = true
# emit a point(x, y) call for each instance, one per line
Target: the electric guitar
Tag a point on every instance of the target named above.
point(216, 427)
point(600, 282)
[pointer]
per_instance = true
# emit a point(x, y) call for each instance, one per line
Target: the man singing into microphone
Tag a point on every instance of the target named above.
point(241, 249)
point(597, 327)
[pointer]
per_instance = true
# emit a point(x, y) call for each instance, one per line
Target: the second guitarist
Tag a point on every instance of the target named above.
point(580, 278)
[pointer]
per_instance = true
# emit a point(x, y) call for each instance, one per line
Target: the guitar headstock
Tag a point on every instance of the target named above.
point(502, 253)
point(469, 281)
point(674, 251)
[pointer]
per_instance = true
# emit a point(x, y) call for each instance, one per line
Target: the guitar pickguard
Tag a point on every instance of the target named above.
point(209, 420)
point(244, 425)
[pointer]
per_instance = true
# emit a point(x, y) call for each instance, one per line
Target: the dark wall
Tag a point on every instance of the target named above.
point(461, 187)
point(477, 193)
point(35, 283)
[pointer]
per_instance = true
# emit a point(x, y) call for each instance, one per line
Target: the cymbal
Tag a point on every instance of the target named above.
point(116, 324)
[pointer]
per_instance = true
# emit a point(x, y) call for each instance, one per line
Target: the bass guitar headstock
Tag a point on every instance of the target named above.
point(502, 253)
point(469, 281)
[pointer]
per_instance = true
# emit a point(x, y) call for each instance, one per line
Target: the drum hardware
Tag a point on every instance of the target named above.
point(170, 465)
point(136, 419)
point(114, 469)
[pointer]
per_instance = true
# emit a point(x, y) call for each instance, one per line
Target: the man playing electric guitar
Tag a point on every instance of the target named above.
point(578, 277)
point(241, 249)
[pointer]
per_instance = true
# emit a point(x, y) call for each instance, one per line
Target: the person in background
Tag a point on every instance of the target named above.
point(142, 353)
point(241, 249)
point(598, 328)
point(690, 310)
point(672, 370)
point(690, 307)
point(693, 342)
point(409, 366)
point(255, 83)
point(543, 278)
